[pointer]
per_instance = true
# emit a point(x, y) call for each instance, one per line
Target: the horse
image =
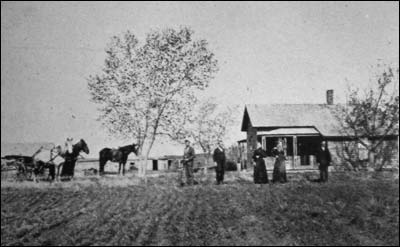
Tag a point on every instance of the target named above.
point(119, 155)
point(39, 170)
point(68, 166)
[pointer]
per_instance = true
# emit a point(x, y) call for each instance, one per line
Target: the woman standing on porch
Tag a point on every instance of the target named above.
point(279, 173)
point(260, 171)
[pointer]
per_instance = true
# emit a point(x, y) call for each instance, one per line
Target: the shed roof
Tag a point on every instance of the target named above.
point(320, 116)
point(27, 149)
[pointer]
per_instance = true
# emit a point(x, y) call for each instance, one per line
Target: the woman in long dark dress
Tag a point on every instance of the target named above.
point(260, 170)
point(279, 173)
point(69, 164)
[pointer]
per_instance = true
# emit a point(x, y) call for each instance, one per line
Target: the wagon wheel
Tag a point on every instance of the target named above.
point(29, 174)
point(180, 181)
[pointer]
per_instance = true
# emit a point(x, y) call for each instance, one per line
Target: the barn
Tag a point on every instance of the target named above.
point(158, 163)
point(300, 127)
point(172, 162)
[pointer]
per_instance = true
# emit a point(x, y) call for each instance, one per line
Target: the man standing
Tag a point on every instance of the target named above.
point(324, 160)
point(188, 158)
point(219, 158)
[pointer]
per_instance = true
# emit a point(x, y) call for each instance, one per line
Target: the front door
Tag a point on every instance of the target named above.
point(155, 165)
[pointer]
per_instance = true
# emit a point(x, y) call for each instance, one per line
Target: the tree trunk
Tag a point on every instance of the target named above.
point(144, 159)
point(207, 163)
point(207, 159)
point(142, 164)
point(145, 167)
point(371, 158)
point(142, 167)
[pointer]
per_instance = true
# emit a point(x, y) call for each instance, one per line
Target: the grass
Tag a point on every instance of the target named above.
point(348, 210)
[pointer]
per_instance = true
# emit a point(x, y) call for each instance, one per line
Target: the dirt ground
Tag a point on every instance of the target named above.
point(351, 209)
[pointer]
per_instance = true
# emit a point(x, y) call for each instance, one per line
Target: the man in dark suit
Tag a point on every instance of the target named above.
point(188, 158)
point(324, 160)
point(219, 158)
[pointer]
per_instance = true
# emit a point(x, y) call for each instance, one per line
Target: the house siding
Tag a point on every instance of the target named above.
point(390, 158)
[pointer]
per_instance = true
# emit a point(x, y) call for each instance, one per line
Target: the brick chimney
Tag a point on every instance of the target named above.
point(329, 97)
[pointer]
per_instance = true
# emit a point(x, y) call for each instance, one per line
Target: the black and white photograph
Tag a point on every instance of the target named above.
point(199, 123)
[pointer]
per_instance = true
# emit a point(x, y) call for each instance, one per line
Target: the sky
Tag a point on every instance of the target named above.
point(268, 52)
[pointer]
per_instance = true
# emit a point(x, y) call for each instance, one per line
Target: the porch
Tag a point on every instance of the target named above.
point(300, 146)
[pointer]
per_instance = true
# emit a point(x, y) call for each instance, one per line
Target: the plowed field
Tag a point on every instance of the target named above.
point(344, 211)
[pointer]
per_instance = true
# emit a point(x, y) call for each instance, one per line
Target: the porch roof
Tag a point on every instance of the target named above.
point(291, 131)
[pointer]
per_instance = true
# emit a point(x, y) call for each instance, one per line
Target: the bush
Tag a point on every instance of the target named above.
point(230, 165)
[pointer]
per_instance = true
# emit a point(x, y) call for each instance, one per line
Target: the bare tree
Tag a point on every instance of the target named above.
point(233, 153)
point(206, 125)
point(348, 153)
point(143, 90)
point(372, 117)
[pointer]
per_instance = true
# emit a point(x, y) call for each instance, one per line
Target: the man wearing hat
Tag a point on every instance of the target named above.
point(219, 158)
point(324, 160)
point(188, 158)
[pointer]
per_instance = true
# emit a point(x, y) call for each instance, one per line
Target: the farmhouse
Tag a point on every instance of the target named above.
point(300, 127)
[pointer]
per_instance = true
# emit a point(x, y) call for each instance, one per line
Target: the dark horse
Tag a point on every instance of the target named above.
point(39, 169)
point(68, 166)
point(119, 155)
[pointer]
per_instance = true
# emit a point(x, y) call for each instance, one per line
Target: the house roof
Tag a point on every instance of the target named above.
point(320, 116)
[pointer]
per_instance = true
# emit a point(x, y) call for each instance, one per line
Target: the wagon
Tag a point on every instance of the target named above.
point(26, 167)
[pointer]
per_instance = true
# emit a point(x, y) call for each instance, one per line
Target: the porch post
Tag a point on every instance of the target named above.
point(294, 151)
point(264, 142)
